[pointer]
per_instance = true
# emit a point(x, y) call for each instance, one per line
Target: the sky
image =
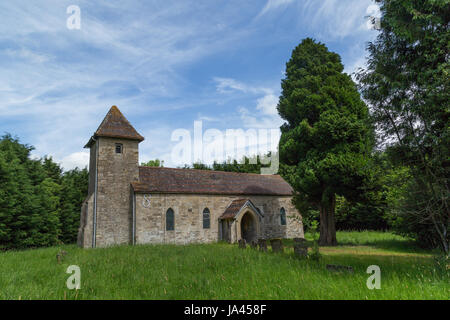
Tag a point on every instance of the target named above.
point(165, 64)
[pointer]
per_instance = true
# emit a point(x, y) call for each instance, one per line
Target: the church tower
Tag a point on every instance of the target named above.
point(106, 215)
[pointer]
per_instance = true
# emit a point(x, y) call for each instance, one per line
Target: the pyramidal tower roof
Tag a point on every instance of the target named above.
point(115, 125)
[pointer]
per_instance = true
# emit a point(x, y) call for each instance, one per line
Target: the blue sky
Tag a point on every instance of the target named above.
point(165, 64)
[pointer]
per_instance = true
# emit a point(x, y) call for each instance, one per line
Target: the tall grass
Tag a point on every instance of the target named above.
point(223, 271)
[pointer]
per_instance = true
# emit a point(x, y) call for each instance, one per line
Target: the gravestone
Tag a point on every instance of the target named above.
point(300, 247)
point(262, 245)
point(60, 255)
point(242, 243)
point(338, 268)
point(277, 245)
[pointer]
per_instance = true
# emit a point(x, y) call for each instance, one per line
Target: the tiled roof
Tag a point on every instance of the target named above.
point(171, 180)
point(115, 125)
point(234, 207)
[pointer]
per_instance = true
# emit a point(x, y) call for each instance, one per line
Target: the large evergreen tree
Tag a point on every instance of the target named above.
point(39, 205)
point(407, 85)
point(29, 214)
point(74, 189)
point(326, 138)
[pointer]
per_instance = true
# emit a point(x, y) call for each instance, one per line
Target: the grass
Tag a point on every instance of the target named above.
point(223, 271)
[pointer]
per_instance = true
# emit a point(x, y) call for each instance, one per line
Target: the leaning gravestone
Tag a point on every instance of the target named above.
point(277, 245)
point(300, 247)
point(242, 243)
point(262, 245)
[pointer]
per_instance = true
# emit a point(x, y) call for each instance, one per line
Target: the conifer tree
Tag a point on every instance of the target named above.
point(327, 138)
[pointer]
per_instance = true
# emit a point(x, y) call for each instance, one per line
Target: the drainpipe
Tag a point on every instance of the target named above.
point(133, 195)
point(94, 228)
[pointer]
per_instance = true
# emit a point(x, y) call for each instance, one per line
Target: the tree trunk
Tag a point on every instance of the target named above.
point(327, 223)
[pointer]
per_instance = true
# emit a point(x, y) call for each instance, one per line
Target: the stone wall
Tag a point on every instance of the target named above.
point(84, 238)
point(115, 173)
point(150, 221)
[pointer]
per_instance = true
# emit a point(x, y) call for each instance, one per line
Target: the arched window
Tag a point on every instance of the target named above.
point(206, 218)
point(282, 217)
point(170, 220)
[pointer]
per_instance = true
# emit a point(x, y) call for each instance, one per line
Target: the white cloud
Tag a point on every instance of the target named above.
point(27, 55)
point(227, 85)
point(259, 120)
point(157, 144)
point(208, 118)
point(264, 113)
point(337, 19)
point(268, 104)
point(76, 159)
point(326, 19)
point(57, 84)
point(274, 4)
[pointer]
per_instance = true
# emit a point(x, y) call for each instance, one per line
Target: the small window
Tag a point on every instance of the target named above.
point(206, 219)
point(282, 217)
point(170, 220)
point(119, 148)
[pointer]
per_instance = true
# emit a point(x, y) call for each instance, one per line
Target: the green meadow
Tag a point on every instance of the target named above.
point(223, 271)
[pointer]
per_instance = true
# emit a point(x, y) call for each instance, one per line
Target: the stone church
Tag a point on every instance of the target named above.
point(132, 204)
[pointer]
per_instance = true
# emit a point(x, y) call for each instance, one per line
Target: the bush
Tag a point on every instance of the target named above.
point(419, 215)
point(360, 216)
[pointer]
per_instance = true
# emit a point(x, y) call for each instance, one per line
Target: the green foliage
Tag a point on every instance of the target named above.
point(441, 265)
point(28, 210)
point(364, 215)
point(153, 163)
point(74, 189)
point(200, 166)
point(315, 252)
point(52, 169)
point(327, 138)
point(410, 216)
point(45, 222)
point(37, 206)
point(245, 165)
point(407, 85)
point(370, 211)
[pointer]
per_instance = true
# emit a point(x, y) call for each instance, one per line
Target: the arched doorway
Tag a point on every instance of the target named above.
point(248, 227)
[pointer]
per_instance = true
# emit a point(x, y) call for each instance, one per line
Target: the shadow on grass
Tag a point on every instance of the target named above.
point(389, 243)
point(402, 246)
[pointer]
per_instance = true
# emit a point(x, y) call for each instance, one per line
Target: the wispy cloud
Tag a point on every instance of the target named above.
point(227, 85)
point(274, 4)
point(328, 19)
point(260, 111)
point(343, 17)
point(119, 56)
point(155, 60)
